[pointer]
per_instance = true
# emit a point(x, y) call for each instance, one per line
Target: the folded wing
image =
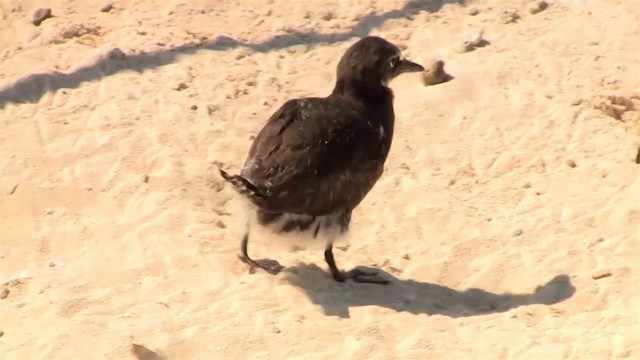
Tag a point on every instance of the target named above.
point(309, 157)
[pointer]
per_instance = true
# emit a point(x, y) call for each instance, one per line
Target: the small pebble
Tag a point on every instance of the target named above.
point(12, 190)
point(146, 178)
point(475, 37)
point(275, 330)
point(180, 87)
point(328, 16)
point(463, 47)
point(115, 54)
point(571, 163)
point(1, 333)
point(637, 157)
point(212, 108)
point(40, 15)
point(601, 274)
point(194, 107)
point(473, 40)
point(107, 7)
point(54, 263)
point(508, 16)
point(434, 73)
point(596, 242)
point(4, 292)
point(473, 11)
point(518, 232)
point(263, 102)
point(538, 6)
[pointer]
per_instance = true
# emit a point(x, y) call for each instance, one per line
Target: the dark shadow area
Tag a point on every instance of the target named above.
point(141, 352)
point(32, 87)
point(447, 78)
point(417, 297)
point(482, 43)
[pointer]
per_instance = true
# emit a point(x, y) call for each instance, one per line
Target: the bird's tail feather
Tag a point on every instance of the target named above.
point(243, 186)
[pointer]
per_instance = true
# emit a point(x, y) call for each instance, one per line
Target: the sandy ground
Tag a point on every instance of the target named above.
point(508, 217)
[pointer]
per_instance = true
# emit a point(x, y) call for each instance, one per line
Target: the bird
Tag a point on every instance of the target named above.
point(316, 158)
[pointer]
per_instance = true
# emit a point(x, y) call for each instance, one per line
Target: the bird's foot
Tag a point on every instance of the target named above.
point(273, 267)
point(361, 276)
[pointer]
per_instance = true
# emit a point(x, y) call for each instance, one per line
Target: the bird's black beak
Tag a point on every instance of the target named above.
point(406, 66)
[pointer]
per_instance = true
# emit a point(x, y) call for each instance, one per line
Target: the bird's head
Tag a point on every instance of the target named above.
point(374, 60)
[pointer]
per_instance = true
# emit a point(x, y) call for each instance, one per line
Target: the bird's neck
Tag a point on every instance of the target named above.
point(369, 92)
point(377, 99)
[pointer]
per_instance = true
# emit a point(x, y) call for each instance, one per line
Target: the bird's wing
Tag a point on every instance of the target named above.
point(303, 153)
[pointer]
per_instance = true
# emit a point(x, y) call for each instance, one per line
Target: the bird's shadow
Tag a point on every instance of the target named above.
point(417, 297)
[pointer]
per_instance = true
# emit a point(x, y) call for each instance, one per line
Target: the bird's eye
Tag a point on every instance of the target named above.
point(393, 61)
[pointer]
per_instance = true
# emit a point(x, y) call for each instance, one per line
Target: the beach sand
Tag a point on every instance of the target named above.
point(508, 217)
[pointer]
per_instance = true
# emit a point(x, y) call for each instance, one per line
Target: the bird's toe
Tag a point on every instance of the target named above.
point(273, 267)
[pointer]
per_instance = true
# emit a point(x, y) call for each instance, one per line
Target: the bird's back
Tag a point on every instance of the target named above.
point(319, 155)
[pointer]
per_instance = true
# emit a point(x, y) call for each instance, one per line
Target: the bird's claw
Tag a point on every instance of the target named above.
point(273, 267)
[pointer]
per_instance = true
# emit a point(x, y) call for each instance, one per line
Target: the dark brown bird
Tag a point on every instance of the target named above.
point(317, 158)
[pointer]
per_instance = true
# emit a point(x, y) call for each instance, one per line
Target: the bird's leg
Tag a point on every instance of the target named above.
point(356, 275)
point(271, 266)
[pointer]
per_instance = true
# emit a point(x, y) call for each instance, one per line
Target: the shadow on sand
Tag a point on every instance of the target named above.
point(417, 297)
point(141, 352)
point(32, 87)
